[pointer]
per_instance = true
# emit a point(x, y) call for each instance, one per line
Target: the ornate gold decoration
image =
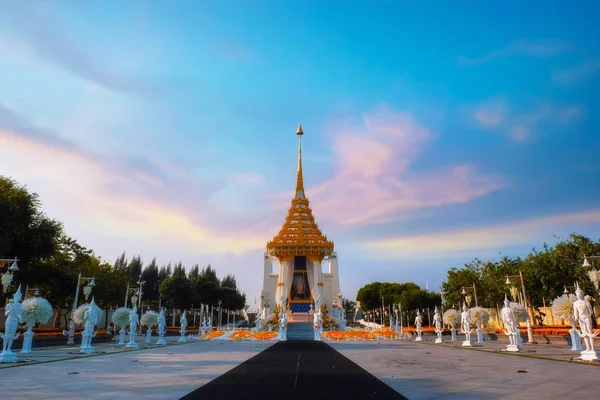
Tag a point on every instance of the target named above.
point(319, 283)
point(280, 284)
point(300, 235)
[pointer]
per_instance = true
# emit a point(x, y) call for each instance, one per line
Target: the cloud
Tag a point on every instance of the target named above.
point(577, 73)
point(496, 237)
point(48, 40)
point(490, 114)
point(522, 126)
point(373, 181)
point(520, 47)
point(99, 195)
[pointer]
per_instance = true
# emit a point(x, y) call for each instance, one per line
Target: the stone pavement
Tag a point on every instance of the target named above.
point(166, 372)
point(428, 371)
point(416, 370)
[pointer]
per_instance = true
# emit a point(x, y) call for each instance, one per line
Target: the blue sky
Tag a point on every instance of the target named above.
point(434, 132)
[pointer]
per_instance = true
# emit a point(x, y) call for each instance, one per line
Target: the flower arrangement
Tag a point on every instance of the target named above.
point(121, 317)
point(357, 334)
point(36, 309)
point(521, 314)
point(241, 335)
point(385, 333)
point(451, 317)
point(479, 316)
point(79, 314)
point(562, 307)
point(265, 335)
point(594, 275)
point(149, 319)
point(212, 335)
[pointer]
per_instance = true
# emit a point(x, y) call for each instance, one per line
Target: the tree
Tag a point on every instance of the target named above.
point(194, 272)
point(229, 282)
point(121, 263)
point(176, 292)
point(25, 231)
point(210, 275)
point(151, 277)
point(409, 294)
point(164, 273)
point(179, 269)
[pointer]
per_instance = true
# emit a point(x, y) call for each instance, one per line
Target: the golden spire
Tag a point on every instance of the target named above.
point(299, 177)
point(300, 234)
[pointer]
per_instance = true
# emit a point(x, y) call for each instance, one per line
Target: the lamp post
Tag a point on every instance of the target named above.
point(594, 274)
point(382, 308)
point(530, 338)
point(87, 290)
point(8, 276)
point(219, 311)
point(465, 290)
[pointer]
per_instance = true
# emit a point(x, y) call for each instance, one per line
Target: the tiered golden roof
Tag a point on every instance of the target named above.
point(300, 235)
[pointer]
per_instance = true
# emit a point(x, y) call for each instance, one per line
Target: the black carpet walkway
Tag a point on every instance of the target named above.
point(296, 370)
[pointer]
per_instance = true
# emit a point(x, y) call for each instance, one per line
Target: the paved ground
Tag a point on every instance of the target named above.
point(416, 370)
point(297, 370)
point(427, 371)
point(163, 373)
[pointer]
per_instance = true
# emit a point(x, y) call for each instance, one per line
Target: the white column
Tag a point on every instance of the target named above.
point(267, 270)
point(318, 273)
point(279, 283)
point(335, 277)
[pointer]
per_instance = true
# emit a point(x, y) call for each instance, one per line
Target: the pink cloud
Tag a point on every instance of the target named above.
point(491, 115)
point(520, 47)
point(577, 73)
point(373, 182)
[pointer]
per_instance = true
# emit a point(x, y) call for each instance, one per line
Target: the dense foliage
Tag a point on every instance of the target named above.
point(546, 272)
point(50, 260)
point(409, 294)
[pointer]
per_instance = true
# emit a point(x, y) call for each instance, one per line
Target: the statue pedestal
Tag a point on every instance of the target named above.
point(132, 345)
point(27, 340)
point(418, 339)
point(479, 335)
point(317, 334)
point(575, 340)
point(161, 339)
point(512, 347)
point(283, 334)
point(439, 338)
point(8, 356)
point(467, 343)
point(182, 338)
point(589, 355)
point(86, 350)
point(149, 335)
point(122, 336)
point(453, 332)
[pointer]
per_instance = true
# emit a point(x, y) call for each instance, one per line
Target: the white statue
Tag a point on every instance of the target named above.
point(318, 324)
point(418, 326)
point(91, 320)
point(134, 321)
point(203, 326)
point(283, 321)
point(343, 320)
point(465, 319)
point(183, 327)
point(162, 327)
point(582, 313)
point(14, 316)
point(439, 328)
point(258, 322)
point(510, 323)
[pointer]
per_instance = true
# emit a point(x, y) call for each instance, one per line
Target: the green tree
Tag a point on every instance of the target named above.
point(179, 269)
point(152, 283)
point(229, 282)
point(164, 273)
point(121, 263)
point(134, 270)
point(210, 275)
point(25, 231)
point(194, 272)
point(176, 292)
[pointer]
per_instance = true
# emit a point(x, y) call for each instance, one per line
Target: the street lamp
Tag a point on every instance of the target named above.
point(219, 311)
point(594, 274)
point(530, 338)
point(465, 291)
point(7, 277)
point(87, 290)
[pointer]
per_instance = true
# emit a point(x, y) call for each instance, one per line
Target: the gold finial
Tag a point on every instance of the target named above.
point(299, 177)
point(299, 131)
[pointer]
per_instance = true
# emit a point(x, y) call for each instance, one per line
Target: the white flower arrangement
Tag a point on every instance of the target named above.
point(452, 317)
point(595, 277)
point(79, 314)
point(149, 319)
point(562, 307)
point(121, 317)
point(36, 309)
point(479, 316)
point(520, 312)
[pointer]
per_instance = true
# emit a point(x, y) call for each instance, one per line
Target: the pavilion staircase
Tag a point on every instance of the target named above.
point(300, 331)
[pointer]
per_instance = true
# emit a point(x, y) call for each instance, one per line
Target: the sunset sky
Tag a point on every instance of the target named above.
point(434, 133)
